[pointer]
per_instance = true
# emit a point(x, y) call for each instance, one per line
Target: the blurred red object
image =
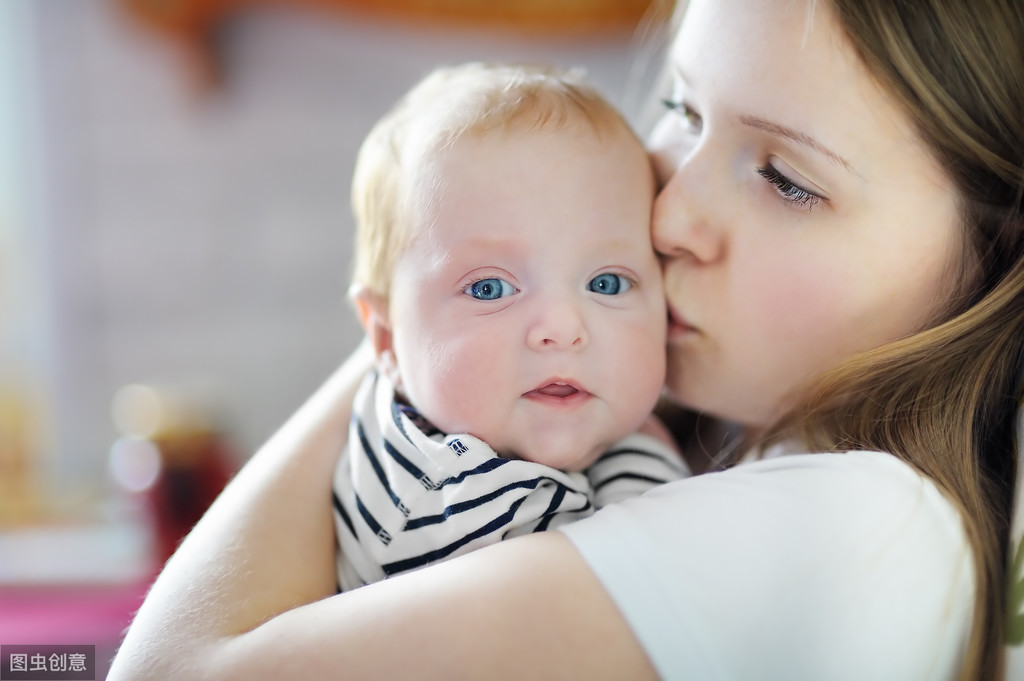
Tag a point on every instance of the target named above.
point(194, 469)
point(173, 454)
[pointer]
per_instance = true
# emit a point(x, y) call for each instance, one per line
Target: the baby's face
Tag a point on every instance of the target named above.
point(528, 310)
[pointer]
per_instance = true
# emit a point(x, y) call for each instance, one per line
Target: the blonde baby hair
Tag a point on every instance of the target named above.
point(451, 102)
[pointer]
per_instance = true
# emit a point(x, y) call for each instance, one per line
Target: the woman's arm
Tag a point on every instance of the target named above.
point(526, 608)
point(246, 595)
point(265, 546)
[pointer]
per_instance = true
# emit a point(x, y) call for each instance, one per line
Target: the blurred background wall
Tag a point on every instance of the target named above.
point(158, 229)
point(176, 214)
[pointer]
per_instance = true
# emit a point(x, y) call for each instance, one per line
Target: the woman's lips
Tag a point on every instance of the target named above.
point(678, 327)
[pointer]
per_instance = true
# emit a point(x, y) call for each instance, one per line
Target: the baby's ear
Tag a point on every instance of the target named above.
point(372, 309)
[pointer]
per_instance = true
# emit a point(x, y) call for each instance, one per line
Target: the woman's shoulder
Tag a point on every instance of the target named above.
point(857, 498)
point(857, 553)
point(872, 482)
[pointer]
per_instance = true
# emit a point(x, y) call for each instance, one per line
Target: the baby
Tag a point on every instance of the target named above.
point(505, 276)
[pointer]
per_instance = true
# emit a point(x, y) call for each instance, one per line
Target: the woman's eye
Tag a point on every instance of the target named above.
point(490, 289)
point(790, 192)
point(609, 284)
point(692, 119)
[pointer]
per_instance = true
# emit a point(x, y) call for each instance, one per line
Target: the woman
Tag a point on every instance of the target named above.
point(842, 228)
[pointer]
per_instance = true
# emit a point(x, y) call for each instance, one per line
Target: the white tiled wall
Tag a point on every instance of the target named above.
point(207, 238)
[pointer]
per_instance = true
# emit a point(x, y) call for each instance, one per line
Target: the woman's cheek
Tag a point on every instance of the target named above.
point(797, 313)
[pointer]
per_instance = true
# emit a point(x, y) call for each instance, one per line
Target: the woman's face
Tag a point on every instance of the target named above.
point(801, 218)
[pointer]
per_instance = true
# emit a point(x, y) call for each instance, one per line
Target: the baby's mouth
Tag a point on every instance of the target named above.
point(557, 390)
point(554, 392)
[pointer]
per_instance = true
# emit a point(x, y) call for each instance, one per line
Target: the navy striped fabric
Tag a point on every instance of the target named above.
point(406, 495)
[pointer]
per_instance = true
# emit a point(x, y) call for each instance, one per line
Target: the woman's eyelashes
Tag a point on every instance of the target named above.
point(789, 191)
point(491, 288)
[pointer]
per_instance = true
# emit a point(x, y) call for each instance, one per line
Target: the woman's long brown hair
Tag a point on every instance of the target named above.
point(943, 399)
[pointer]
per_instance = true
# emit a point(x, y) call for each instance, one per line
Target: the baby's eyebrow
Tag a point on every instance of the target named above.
point(800, 138)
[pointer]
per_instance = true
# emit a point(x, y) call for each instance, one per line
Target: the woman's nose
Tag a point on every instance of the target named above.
point(558, 325)
point(683, 223)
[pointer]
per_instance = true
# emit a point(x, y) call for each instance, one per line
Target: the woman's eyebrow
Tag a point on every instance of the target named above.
point(779, 130)
point(800, 138)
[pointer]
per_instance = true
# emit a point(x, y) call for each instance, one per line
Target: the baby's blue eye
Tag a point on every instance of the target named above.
point(490, 289)
point(609, 284)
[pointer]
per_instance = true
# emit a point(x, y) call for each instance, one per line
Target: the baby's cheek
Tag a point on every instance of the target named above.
point(462, 385)
point(639, 373)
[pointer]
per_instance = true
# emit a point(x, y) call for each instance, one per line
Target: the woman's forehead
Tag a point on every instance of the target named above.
point(786, 65)
point(761, 45)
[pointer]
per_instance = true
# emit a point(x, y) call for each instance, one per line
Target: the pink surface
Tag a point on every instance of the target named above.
point(68, 614)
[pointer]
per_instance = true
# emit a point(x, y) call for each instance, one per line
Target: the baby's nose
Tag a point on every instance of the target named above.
point(558, 326)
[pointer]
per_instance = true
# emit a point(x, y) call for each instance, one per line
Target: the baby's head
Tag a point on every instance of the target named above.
point(504, 268)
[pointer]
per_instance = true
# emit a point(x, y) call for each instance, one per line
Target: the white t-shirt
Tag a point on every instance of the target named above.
point(824, 566)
